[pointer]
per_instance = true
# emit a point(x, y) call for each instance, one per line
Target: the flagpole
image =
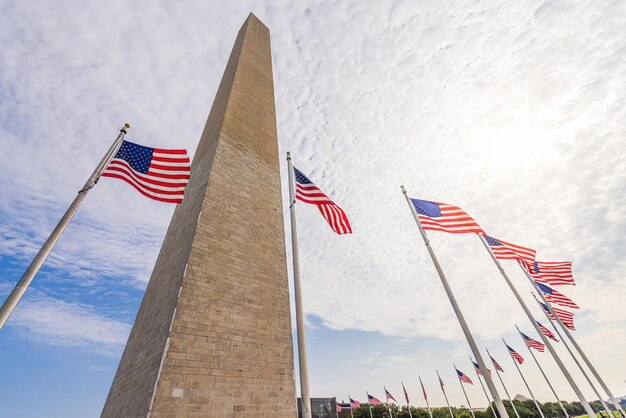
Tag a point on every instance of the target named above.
point(350, 400)
point(368, 402)
point(387, 402)
point(483, 386)
point(302, 358)
point(530, 350)
point(524, 380)
point(444, 394)
point(530, 316)
point(502, 382)
point(408, 405)
point(569, 350)
point(430, 413)
point(457, 310)
point(614, 401)
point(22, 285)
point(464, 393)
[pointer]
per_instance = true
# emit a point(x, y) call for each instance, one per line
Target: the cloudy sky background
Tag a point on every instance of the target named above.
point(514, 111)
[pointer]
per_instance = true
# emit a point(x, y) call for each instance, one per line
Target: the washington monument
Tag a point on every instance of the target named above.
point(213, 336)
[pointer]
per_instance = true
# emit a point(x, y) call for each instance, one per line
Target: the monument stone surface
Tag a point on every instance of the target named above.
point(212, 337)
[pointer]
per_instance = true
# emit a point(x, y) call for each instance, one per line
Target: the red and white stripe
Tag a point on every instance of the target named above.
point(558, 298)
point(334, 215)
point(516, 356)
point(534, 344)
point(496, 365)
point(463, 378)
point(547, 332)
point(566, 317)
point(556, 273)
point(166, 179)
point(508, 251)
point(453, 220)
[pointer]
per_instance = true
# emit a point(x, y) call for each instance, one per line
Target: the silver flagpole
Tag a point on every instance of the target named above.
point(530, 350)
point(302, 359)
point(524, 379)
point(368, 402)
point(408, 405)
point(430, 413)
point(22, 285)
point(387, 402)
point(469, 405)
point(530, 316)
point(444, 394)
point(457, 311)
point(350, 400)
point(483, 386)
point(580, 351)
point(569, 350)
point(502, 381)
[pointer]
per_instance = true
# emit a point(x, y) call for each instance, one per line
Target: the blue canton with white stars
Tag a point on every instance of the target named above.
point(545, 289)
point(492, 241)
point(424, 207)
point(137, 156)
point(301, 178)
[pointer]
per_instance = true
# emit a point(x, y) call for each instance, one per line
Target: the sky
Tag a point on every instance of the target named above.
point(515, 111)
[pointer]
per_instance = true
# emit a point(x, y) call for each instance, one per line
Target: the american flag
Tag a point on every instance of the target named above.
point(556, 297)
point(506, 251)
point(547, 332)
point(308, 192)
point(443, 217)
point(565, 316)
point(496, 365)
point(389, 395)
point(516, 356)
point(372, 400)
point(406, 395)
point(463, 378)
point(532, 343)
point(160, 174)
point(440, 381)
point(342, 405)
point(478, 370)
point(354, 403)
point(554, 273)
point(424, 390)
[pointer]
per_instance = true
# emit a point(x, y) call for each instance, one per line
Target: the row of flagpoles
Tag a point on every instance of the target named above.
point(162, 175)
point(463, 378)
point(434, 216)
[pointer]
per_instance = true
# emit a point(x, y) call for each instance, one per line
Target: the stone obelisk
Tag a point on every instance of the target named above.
point(212, 337)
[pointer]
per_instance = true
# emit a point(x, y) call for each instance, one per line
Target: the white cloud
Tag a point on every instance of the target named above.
point(51, 321)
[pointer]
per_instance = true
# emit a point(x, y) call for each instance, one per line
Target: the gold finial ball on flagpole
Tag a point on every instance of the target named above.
point(127, 125)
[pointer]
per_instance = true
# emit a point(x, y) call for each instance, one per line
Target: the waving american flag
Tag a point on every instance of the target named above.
point(443, 217)
point(532, 343)
point(308, 192)
point(478, 370)
point(556, 297)
point(555, 273)
point(496, 365)
point(565, 316)
point(516, 356)
point(547, 332)
point(160, 174)
point(463, 377)
point(506, 251)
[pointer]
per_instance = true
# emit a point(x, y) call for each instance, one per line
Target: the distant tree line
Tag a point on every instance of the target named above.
point(525, 409)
